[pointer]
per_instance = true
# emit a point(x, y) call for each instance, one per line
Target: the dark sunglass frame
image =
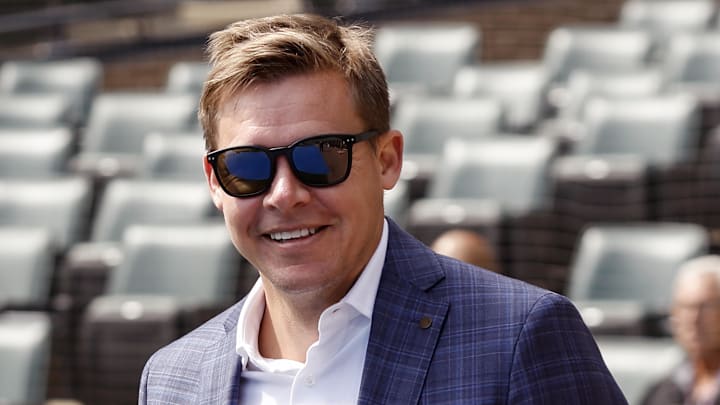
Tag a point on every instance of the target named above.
point(347, 140)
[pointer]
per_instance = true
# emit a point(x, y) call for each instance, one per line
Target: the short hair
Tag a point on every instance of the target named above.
point(269, 49)
point(702, 265)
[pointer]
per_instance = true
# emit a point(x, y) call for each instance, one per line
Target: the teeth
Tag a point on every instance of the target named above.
point(300, 233)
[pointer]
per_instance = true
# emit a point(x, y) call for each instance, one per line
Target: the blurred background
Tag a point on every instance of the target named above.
point(579, 139)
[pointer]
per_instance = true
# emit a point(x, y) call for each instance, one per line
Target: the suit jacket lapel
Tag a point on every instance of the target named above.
point(221, 367)
point(406, 323)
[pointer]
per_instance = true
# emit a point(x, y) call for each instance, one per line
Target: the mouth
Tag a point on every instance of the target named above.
point(296, 234)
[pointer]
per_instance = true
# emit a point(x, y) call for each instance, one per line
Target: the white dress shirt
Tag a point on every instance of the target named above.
point(333, 368)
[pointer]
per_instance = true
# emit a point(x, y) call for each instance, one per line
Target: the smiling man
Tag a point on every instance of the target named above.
point(348, 307)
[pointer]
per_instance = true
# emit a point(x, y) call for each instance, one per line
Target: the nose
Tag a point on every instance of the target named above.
point(286, 191)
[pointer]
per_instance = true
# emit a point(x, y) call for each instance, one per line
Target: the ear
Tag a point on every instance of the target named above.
point(390, 157)
point(216, 192)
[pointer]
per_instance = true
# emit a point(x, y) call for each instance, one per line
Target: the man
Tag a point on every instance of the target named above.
point(348, 307)
point(467, 246)
point(695, 320)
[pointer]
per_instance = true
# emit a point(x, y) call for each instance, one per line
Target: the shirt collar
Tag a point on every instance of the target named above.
point(361, 297)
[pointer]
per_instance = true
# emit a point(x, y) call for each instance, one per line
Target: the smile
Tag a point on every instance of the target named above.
point(296, 234)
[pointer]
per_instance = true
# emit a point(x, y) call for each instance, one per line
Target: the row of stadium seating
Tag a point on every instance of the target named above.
point(593, 171)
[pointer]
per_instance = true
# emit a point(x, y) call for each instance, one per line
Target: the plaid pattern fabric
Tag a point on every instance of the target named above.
point(443, 332)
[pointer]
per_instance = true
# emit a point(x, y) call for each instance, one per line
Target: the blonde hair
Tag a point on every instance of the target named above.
point(268, 49)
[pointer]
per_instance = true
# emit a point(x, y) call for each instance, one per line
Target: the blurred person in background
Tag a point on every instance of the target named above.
point(695, 321)
point(349, 308)
point(467, 246)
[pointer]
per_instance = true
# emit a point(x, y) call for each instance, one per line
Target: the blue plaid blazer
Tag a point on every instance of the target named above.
point(443, 332)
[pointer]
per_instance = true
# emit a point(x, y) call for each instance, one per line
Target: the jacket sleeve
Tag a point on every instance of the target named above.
point(556, 360)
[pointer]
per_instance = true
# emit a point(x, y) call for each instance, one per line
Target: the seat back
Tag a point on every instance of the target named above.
point(595, 49)
point(583, 86)
point(427, 55)
point(194, 264)
point(520, 87)
point(694, 58)
point(428, 122)
point(61, 205)
point(663, 129)
point(637, 363)
point(119, 122)
point(633, 261)
point(512, 170)
point(173, 156)
point(128, 202)
point(187, 77)
point(34, 153)
point(35, 110)
point(27, 257)
point(25, 354)
point(77, 78)
point(667, 16)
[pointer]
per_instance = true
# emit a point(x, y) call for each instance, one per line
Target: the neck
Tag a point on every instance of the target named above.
point(289, 326)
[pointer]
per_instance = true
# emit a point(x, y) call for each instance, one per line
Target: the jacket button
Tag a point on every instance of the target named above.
point(425, 322)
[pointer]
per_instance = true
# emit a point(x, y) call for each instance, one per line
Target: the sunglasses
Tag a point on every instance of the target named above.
point(318, 161)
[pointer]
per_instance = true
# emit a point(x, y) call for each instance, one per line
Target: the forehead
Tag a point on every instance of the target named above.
point(280, 112)
point(697, 287)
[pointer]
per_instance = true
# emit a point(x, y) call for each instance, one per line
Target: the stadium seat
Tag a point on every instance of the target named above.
point(630, 262)
point(638, 362)
point(175, 156)
point(583, 86)
point(167, 282)
point(425, 57)
point(480, 183)
point(662, 129)
point(61, 205)
point(35, 153)
point(427, 123)
point(119, 122)
point(25, 354)
point(665, 18)
point(77, 78)
point(692, 64)
point(27, 260)
point(592, 48)
point(187, 77)
point(35, 110)
point(519, 86)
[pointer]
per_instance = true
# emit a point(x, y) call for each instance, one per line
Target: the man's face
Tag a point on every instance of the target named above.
point(696, 314)
point(305, 240)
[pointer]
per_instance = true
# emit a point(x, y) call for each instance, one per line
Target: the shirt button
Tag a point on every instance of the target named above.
point(310, 381)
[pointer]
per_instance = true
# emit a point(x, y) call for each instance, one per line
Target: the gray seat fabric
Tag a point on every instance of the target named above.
point(27, 257)
point(638, 362)
point(77, 78)
point(512, 170)
point(665, 18)
point(519, 86)
point(187, 77)
point(425, 56)
point(594, 48)
point(35, 153)
point(173, 156)
point(35, 110)
point(25, 354)
point(195, 264)
point(61, 205)
point(634, 262)
point(662, 129)
point(119, 122)
point(128, 202)
point(693, 62)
